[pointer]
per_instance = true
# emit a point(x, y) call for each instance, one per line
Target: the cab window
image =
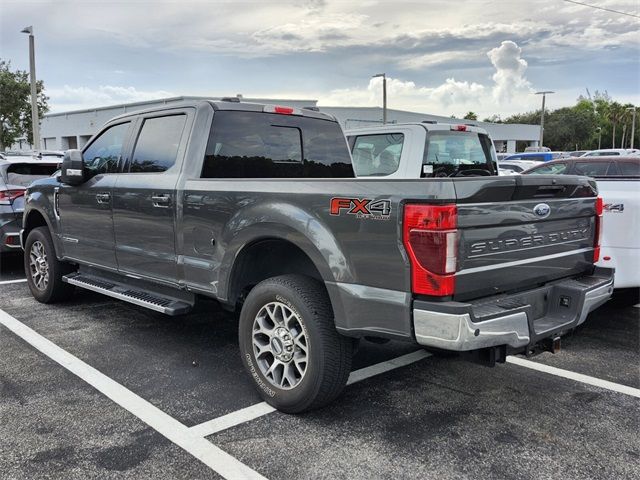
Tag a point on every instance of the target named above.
point(104, 153)
point(377, 155)
point(157, 146)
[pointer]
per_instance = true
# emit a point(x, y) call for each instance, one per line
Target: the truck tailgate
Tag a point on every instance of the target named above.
point(522, 231)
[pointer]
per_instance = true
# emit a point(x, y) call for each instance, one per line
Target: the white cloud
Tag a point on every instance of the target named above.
point(510, 81)
point(72, 98)
point(510, 92)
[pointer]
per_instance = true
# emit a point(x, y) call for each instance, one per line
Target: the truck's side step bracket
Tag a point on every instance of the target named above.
point(136, 295)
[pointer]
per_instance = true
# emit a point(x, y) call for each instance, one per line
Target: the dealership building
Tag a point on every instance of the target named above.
point(65, 130)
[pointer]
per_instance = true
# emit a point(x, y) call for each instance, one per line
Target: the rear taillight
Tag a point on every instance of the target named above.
point(8, 196)
point(598, 233)
point(430, 237)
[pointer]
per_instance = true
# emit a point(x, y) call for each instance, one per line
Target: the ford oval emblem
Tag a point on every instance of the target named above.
point(542, 210)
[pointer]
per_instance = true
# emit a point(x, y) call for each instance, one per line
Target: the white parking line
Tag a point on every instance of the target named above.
point(578, 377)
point(5, 282)
point(178, 433)
point(263, 408)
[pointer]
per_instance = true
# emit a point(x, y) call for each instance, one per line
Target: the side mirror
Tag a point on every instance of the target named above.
point(73, 171)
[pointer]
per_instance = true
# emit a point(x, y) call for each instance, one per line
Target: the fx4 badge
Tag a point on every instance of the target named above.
point(364, 208)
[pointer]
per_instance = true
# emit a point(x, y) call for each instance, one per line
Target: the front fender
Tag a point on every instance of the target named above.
point(41, 202)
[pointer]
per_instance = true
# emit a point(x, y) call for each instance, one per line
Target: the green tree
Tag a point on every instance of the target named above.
point(15, 105)
point(471, 116)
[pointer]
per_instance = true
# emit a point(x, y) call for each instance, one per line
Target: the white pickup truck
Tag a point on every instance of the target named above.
point(621, 225)
point(618, 179)
point(421, 150)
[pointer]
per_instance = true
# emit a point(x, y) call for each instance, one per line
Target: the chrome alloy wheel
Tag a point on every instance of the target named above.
point(280, 345)
point(38, 265)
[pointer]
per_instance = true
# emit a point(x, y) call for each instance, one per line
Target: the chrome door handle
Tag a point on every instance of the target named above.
point(103, 198)
point(161, 201)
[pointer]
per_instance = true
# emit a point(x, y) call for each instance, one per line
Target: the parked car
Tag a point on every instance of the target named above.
point(517, 166)
point(257, 206)
point(421, 150)
point(619, 185)
point(533, 156)
point(537, 149)
point(610, 152)
point(15, 176)
point(578, 153)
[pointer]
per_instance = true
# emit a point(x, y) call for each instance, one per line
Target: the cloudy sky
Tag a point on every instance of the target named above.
point(441, 57)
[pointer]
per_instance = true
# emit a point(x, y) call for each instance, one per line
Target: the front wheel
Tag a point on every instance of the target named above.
point(43, 270)
point(290, 346)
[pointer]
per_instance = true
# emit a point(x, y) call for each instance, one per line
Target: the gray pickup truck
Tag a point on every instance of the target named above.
point(256, 206)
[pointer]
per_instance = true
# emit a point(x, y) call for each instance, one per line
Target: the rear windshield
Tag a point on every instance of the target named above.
point(24, 173)
point(449, 154)
point(266, 145)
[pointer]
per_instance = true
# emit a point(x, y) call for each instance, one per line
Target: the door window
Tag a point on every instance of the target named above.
point(629, 169)
point(157, 146)
point(591, 169)
point(104, 153)
point(550, 169)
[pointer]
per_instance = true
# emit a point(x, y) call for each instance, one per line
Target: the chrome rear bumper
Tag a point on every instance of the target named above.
point(510, 320)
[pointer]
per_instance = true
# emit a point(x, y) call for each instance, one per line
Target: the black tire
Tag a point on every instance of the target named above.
point(328, 356)
point(55, 290)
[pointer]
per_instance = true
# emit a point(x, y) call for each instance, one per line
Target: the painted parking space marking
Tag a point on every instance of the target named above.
point(6, 282)
point(578, 377)
point(261, 409)
point(215, 458)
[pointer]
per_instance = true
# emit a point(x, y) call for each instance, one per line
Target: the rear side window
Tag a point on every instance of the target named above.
point(591, 169)
point(104, 153)
point(266, 145)
point(629, 169)
point(513, 168)
point(24, 173)
point(377, 155)
point(550, 169)
point(157, 146)
point(457, 153)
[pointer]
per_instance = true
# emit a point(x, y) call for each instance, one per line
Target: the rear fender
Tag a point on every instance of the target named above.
point(287, 222)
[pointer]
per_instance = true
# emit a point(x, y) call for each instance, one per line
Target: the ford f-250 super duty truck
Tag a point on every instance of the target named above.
point(256, 206)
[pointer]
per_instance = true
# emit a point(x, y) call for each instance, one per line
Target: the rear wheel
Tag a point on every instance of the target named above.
point(43, 270)
point(290, 346)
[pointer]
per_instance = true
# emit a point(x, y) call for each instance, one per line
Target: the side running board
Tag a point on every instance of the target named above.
point(132, 294)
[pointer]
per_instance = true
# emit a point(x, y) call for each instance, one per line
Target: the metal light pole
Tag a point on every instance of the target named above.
point(599, 130)
point(544, 96)
point(384, 95)
point(34, 92)
point(633, 124)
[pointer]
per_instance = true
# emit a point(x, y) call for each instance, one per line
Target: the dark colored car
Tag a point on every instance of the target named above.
point(590, 166)
point(15, 177)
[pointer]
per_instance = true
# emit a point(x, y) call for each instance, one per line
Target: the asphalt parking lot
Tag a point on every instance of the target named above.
point(142, 395)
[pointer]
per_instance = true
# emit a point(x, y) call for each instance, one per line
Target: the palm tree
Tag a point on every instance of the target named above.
point(616, 113)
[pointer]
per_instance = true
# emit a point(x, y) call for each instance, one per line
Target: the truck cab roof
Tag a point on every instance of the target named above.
point(428, 126)
point(232, 105)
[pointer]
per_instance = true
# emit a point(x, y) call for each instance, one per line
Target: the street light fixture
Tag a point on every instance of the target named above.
point(633, 124)
point(384, 95)
point(34, 93)
point(544, 96)
point(599, 130)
